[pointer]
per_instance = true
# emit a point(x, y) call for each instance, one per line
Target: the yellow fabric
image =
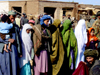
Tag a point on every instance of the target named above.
point(17, 21)
point(57, 55)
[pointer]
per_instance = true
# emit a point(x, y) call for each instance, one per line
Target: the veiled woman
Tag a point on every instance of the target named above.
point(81, 35)
point(27, 45)
point(57, 53)
point(70, 44)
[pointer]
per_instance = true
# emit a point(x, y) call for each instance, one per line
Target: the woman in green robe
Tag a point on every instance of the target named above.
point(57, 53)
point(70, 44)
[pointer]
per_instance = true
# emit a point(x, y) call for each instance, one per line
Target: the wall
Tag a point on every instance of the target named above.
point(4, 6)
point(58, 5)
point(32, 7)
point(22, 4)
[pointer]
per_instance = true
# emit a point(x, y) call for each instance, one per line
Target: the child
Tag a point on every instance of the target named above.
point(27, 46)
point(92, 39)
point(31, 22)
point(4, 31)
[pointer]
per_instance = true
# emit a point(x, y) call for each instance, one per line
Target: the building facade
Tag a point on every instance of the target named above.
point(35, 7)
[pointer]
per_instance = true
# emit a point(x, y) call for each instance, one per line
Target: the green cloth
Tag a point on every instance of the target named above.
point(91, 52)
point(11, 13)
point(69, 40)
point(57, 54)
point(93, 16)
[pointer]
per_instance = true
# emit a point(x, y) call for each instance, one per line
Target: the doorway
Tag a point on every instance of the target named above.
point(49, 11)
point(18, 9)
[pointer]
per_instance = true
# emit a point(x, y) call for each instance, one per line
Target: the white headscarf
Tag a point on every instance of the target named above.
point(26, 45)
point(80, 32)
point(81, 36)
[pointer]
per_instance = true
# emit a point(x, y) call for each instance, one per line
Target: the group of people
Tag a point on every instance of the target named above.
point(48, 47)
point(87, 62)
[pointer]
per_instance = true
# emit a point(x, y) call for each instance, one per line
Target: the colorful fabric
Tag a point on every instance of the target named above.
point(41, 62)
point(69, 40)
point(26, 69)
point(26, 46)
point(11, 13)
point(37, 38)
point(32, 21)
point(5, 27)
point(90, 37)
point(81, 35)
point(82, 69)
point(44, 18)
point(57, 53)
point(17, 21)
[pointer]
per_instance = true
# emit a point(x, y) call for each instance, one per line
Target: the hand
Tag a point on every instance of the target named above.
point(85, 63)
point(5, 50)
point(91, 39)
point(20, 55)
point(96, 44)
point(31, 62)
point(11, 40)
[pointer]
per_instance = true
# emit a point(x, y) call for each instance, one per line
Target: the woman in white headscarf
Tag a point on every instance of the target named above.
point(26, 50)
point(81, 36)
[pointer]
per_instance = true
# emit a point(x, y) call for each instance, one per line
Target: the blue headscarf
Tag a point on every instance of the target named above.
point(45, 17)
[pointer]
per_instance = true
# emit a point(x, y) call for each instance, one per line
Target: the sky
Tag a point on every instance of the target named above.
point(93, 2)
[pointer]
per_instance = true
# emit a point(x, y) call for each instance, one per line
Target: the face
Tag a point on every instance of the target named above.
point(98, 17)
point(12, 19)
point(93, 17)
point(23, 15)
point(68, 16)
point(1, 15)
point(28, 31)
point(90, 60)
point(30, 24)
point(92, 33)
point(46, 22)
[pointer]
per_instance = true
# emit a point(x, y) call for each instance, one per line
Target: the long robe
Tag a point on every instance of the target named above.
point(41, 53)
point(26, 51)
point(70, 42)
point(81, 35)
point(57, 53)
point(9, 65)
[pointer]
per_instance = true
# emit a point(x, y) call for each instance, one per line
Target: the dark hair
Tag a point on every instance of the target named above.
point(9, 21)
point(92, 30)
point(4, 18)
point(31, 23)
point(25, 16)
point(12, 15)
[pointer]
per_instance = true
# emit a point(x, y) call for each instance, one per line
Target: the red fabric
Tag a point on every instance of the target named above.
point(82, 69)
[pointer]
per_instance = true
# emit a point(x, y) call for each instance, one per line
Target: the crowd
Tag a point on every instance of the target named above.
point(47, 46)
